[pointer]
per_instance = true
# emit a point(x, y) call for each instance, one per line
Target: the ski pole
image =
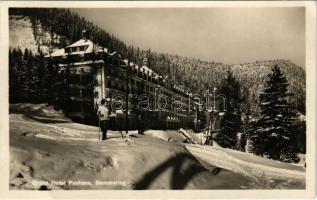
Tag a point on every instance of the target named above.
point(99, 129)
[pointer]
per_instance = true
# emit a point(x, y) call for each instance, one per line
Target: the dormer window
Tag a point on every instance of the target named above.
point(68, 50)
point(82, 48)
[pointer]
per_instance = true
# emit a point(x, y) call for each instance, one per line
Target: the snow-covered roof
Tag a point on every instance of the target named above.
point(146, 69)
point(59, 52)
point(84, 63)
point(112, 53)
point(81, 42)
point(301, 117)
point(90, 47)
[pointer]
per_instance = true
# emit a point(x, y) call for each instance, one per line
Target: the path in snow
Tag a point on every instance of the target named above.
point(266, 173)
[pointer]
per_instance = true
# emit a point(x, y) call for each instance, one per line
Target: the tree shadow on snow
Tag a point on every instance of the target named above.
point(38, 115)
point(180, 176)
point(46, 119)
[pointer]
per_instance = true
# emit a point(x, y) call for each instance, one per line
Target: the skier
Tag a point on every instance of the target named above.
point(103, 113)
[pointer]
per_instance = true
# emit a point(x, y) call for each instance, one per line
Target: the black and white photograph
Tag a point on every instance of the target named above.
point(157, 98)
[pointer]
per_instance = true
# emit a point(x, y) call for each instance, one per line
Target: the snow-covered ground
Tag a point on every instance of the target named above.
point(49, 151)
point(267, 174)
point(22, 24)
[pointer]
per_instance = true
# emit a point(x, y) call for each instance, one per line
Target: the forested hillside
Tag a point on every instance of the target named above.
point(59, 27)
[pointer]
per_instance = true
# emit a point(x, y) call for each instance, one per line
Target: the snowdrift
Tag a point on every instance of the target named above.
point(65, 155)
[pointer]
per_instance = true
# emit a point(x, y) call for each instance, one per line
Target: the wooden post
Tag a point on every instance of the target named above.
point(127, 98)
point(67, 84)
point(81, 96)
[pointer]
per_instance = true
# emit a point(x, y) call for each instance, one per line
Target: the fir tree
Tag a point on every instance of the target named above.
point(22, 93)
point(273, 134)
point(43, 77)
point(52, 79)
point(32, 76)
point(231, 122)
point(13, 75)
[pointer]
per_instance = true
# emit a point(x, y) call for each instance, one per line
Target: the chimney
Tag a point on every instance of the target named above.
point(145, 62)
point(85, 34)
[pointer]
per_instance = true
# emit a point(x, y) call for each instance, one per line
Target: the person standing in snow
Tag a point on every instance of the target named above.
point(103, 113)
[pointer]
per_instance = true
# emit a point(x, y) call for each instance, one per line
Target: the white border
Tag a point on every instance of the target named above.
point(309, 192)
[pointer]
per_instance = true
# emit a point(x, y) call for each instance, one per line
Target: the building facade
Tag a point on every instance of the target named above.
point(90, 73)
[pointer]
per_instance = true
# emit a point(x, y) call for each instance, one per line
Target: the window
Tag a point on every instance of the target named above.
point(74, 78)
point(74, 92)
point(108, 83)
point(82, 48)
point(86, 78)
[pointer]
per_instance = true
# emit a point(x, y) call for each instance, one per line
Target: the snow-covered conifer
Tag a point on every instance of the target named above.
point(273, 134)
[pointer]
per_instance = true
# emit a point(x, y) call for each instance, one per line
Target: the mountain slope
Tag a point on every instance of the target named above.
point(200, 75)
point(195, 75)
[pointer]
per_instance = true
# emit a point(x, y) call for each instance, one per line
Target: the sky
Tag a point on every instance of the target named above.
point(228, 35)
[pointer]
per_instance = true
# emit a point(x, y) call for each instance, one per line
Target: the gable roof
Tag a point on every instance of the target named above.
point(82, 42)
